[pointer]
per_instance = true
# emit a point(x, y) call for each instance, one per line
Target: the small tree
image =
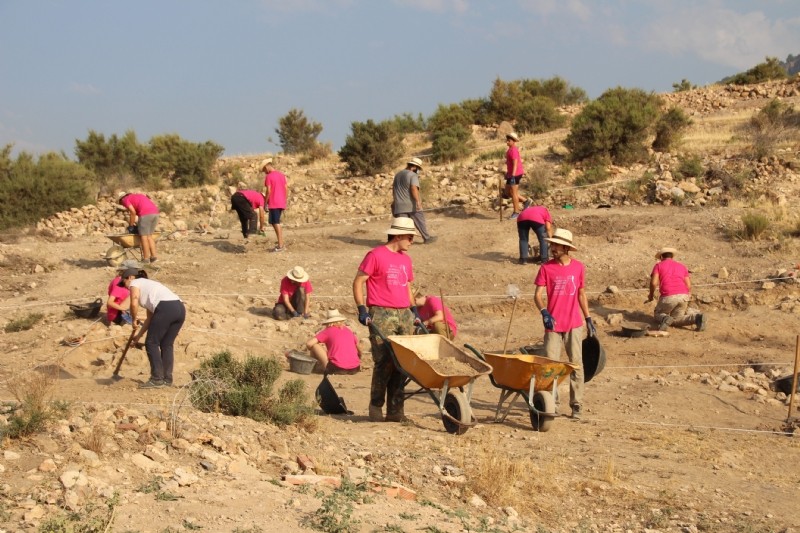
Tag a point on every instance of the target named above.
point(770, 69)
point(296, 133)
point(775, 123)
point(451, 129)
point(684, 85)
point(538, 115)
point(371, 147)
point(670, 128)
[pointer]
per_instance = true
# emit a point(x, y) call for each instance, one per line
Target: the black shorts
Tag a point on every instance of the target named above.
point(514, 180)
point(274, 216)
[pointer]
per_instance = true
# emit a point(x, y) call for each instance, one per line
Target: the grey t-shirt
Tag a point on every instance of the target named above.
point(401, 190)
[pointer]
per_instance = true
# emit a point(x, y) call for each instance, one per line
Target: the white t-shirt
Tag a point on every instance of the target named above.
point(151, 293)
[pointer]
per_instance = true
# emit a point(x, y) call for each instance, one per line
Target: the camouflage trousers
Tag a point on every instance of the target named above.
point(677, 307)
point(387, 381)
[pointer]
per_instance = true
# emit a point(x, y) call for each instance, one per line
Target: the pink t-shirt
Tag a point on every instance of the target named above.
point(434, 305)
point(141, 204)
point(562, 283)
point(535, 213)
point(255, 198)
point(342, 346)
point(289, 287)
point(118, 294)
point(389, 275)
point(671, 275)
point(511, 155)
point(276, 182)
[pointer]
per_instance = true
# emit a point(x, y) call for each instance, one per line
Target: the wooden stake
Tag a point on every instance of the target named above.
point(508, 332)
point(444, 314)
point(794, 378)
point(500, 196)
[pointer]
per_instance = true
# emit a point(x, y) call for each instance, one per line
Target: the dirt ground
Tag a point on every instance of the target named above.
point(657, 449)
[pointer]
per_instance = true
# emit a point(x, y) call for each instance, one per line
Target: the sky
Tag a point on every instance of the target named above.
point(226, 71)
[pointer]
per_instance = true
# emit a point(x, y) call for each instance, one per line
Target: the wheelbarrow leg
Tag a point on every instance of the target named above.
point(504, 394)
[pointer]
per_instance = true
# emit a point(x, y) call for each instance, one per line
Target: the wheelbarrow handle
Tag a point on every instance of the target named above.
point(475, 351)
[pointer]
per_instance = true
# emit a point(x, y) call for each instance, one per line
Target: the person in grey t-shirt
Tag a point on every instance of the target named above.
point(407, 200)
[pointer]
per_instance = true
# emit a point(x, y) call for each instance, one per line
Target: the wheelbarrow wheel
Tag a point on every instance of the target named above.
point(457, 406)
point(543, 412)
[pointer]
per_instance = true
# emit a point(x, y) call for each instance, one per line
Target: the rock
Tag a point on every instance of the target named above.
point(9, 455)
point(185, 478)
point(145, 463)
point(615, 319)
point(72, 478)
point(48, 465)
point(723, 273)
point(477, 501)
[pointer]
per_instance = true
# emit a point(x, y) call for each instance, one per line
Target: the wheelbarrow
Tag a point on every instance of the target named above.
point(442, 370)
point(534, 377)
point(124, 245)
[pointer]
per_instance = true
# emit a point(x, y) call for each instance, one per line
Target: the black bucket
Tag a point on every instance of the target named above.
point(330, 402)
point(91, 310)
point(594, 358)
point(784, 384)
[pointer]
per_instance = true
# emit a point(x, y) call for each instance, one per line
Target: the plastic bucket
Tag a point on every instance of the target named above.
point(300, 363)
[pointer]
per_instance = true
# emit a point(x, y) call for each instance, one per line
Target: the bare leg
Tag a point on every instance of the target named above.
point(278, 234)
point(515, 197)
point(320, 353)
point(148, 246)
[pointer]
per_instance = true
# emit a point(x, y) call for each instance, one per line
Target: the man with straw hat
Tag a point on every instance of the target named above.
point(407, 201)
point(387, 273)
point(336, 347)
point(294, 299)
point(567, 310)
point(674, 285)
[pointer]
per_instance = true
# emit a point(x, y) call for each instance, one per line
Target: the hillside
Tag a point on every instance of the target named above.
point(682, 433)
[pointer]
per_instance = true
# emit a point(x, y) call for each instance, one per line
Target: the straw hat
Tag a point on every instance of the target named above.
point(122, 195)
point(332, 316)
point(513, 136)
point(402, 226)
point(562, 236)
point(416, 161)
point(265, 162)
point(666, 250)
point(298, 274)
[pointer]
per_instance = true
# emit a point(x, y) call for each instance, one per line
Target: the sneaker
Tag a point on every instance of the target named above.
point(527, 203)
point(513, 216)
point(576, 412)
point(700, 322)
point(375, 413)
point(279, 249)
point(153, 260)
point(666, 322)
point(152, 384)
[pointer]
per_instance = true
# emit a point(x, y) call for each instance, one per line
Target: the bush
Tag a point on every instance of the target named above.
point(451, 144)
point(596, 174)
point(614, 126)
point(684, 85)
point(492, 155)
point(555, 89)
point(775, 123)
point(318, 151)
point(24, 323)
point(296, 133)
point(34, 189)
point(669, 129)
point(770, 69)
point(690, 167)
point(754, 225)
point(538, 115)
point(538, 179)
point(245, 389)
point(371, 148)
point(408, 123)
point(509, 100)
point(33, 409)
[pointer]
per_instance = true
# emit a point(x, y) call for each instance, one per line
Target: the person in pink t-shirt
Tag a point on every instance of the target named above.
point(249, 205)
point(538, 219)
point(387, 273)
point(436, 316)
point(275, 192)
point(143, 215)
point(674, 285)
point(514, 174)
point(294, 299)
point(562, 279)
point(336, 346)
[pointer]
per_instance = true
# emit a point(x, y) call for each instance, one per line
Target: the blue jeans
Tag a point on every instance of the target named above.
point(523, 228)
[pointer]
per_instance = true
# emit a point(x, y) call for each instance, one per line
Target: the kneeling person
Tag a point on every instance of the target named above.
point(336, 346)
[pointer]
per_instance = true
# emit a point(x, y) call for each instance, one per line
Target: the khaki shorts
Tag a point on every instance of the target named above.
point(147, 224)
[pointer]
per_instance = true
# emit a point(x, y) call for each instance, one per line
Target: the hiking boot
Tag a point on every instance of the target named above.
point(513, 216)
point(666, 322)
point(576, 412)
point(700, 322)
point(152, 384)
point(395, 417)
point(375, 413)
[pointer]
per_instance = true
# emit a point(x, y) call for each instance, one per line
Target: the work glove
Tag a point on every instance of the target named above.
point(549, 321)
point(133, 230)
point(363, 315)
point(590, 327)
point(417, 318)
point(295, 314)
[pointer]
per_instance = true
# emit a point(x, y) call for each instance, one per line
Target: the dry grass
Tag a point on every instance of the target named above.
point(33, 392)
point(95, 440)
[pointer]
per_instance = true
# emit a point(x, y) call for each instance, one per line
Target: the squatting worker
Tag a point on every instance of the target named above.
point(143, 214)
point(562, 278)
point(249, 205)
point(514, 174)
point(387, 273)
point(118, 303)
point(275, 192)
point(406, 199)
point(165, 317)
point(436, 316)
point(538, 219)
point(336, 347)
point(294, 299)
point(674, 285)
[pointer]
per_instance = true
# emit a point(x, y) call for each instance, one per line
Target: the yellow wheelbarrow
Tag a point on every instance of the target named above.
point(534, 377)
point(124, 245)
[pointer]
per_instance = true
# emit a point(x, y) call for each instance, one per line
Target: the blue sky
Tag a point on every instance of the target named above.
point(226, 71)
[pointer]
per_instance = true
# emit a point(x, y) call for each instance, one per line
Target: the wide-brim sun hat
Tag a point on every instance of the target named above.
point(562, 236)
point(332, 316)
point(265, 162)
point(402, 226)
point(298, 274)
point(122, 195)
point(513, 136)
point(666, 250)
point(416, 161)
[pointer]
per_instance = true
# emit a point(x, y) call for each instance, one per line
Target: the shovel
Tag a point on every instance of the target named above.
point(513, 292)
point(115, 375)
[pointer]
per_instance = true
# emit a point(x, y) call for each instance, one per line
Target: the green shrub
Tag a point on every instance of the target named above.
point(592, 175)
point(34, 189)
point(538, 115)
point(371, 148)
point(770, 69)
point(316, 152)
point(447, 116)
point(636, 189)
point(112, 158)
point(296, 133)
point(492, 155)
point(669, 129)
point(754, 225)
point(451, 144)
point(614, 126)
point(774, 123)
point(407, 123)
point(23, 323)
point(33, 409)
point(537, 181)
point(555, 89)
point(690, 167)
point(684, 85)
point(512, 100)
